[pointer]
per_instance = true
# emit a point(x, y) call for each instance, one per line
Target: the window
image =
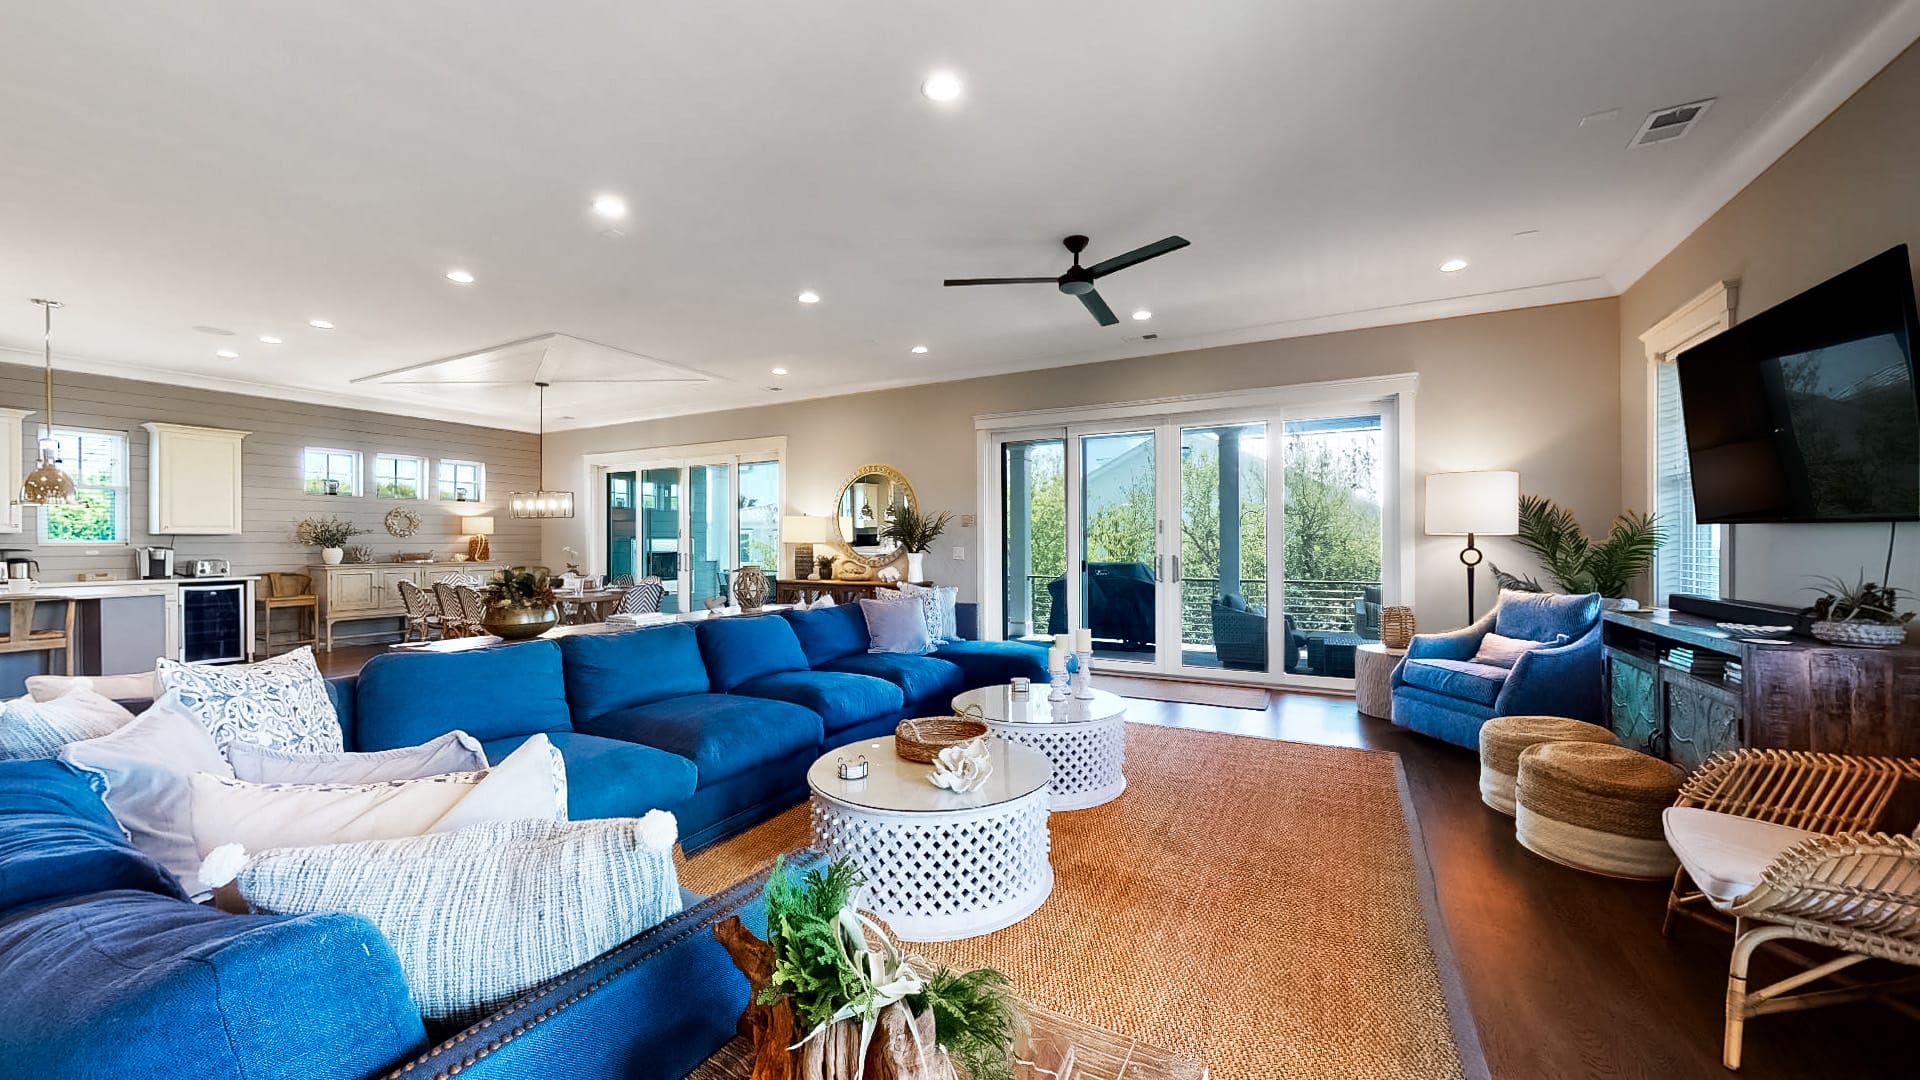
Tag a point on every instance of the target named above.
point(330, 472)
point(760, 515)
point(97, 461)
point(1689, 561)
point(462, 481)
point(398, 477)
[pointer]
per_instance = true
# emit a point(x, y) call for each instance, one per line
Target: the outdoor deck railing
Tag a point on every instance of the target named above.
point(1314, 604)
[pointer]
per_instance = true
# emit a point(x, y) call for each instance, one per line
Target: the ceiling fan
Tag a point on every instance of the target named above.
point(1079, 280)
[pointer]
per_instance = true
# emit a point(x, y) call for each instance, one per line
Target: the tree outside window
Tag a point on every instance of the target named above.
point(398, 477)
point(97, 461)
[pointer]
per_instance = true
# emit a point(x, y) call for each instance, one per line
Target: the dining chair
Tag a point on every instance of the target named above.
point(453, 618)
point(642, 599)
point(423, 610)
point(473, 608)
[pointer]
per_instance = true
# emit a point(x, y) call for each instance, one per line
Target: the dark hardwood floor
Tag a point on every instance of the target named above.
point(1566, 973)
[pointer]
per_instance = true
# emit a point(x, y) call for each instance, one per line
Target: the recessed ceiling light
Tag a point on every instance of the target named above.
point(459, 277)
point(941, 86)
point(269, 339)
point(611, 207)
point(919, 349)
point(227, 354)
point(216, 331)
point(320, 324)
point(1142, 315)
point(779, 371)
point(1453, 266)
point(808, 297)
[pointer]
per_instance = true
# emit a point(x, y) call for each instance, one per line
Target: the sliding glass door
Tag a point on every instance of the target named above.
point(660, 514)
point(690, 525)
point(1174, 525)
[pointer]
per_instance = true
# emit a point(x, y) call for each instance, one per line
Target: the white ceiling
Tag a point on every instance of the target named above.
point(252, 166)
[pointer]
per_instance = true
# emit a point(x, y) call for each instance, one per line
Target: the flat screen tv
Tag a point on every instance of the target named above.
point(1809, 411)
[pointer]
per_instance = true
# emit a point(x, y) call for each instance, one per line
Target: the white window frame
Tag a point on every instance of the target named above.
point(421, 486)
point(122, 492)
point(591, 514)
point(1694, 322)
point(441, 480)
point(359, 471)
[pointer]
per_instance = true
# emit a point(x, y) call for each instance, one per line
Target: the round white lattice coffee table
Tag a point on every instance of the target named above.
point(1085, 738)
point(940, 866)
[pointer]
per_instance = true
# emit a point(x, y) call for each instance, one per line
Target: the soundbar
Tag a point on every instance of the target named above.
point(1742, 611)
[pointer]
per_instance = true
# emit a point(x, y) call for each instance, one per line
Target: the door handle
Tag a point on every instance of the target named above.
point(1158, 563)
point(1176, 569)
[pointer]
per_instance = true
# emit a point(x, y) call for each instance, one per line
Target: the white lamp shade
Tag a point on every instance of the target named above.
point(477, 526)
point(1483, 503)
point(795, 529)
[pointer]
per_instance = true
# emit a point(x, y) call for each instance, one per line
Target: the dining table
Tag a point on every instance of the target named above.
point(588, 605)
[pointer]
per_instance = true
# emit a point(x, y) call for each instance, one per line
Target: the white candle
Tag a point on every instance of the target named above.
point(1083, 640)
point(1063, 642)
point(1056, 659)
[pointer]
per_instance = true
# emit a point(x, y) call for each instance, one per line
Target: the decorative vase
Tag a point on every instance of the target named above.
point(750, 587)
point(916, 566)
point(1865, 635)
point(1082, 680)
point(518, 622)
point(332, 556)
point(1396, 627)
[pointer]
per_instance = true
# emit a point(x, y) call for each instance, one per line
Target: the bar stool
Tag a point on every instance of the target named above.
point(287, 592)
point(22, 637)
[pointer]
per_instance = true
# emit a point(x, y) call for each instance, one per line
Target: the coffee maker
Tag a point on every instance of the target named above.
point(155, 562)
point(21, 566)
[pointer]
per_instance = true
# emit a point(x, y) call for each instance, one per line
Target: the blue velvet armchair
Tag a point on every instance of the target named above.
point(1440, 690)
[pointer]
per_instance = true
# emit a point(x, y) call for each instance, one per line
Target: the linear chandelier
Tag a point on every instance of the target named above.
point(541, 503)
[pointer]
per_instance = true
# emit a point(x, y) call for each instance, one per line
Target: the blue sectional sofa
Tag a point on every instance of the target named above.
point(1439, 689)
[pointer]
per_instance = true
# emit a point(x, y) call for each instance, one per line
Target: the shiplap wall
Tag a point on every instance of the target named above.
point(274, 501)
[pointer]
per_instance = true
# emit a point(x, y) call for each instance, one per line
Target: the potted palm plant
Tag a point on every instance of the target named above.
point(915, 533)
point(1577, 564)
point(1864, 613)
point(519, 603)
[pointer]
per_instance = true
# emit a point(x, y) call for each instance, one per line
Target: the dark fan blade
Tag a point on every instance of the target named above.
point(1101, 312)
point(1137, 255)
point(1002, 281)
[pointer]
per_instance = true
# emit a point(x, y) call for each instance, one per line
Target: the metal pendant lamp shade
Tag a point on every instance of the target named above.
point(542, 503)
point(48, 484)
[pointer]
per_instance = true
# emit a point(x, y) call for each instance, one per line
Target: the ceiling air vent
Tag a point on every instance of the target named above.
point(1666, 125)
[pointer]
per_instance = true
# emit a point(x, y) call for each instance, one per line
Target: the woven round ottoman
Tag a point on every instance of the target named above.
point(1596, 807)
point(1504, 737)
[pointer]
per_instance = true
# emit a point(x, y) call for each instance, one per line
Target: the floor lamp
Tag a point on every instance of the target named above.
point(1473, 504)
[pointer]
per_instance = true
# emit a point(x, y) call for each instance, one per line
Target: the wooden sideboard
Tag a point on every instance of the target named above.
point(791, 591)
point(351, 591)
point(1806, 695)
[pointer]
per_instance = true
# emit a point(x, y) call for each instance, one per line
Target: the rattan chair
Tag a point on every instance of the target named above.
point(1824, 880)
point(621, 581)
point(473, 608)
point(423, 611)
point(642, 599)
point(453, 619)
point(284, 591)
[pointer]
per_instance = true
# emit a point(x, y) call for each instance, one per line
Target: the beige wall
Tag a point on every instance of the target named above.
point(1534, 390)
point(1848, 191)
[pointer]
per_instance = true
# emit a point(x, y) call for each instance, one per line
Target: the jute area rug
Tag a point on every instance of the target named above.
point(1253, 903)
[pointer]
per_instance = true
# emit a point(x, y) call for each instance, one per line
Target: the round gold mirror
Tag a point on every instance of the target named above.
point(867, 504)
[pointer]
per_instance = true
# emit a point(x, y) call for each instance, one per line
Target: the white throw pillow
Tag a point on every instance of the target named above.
point(928, 601)
point(1499, 651)
point(147, 765)
point(32, 730)
point(530, 783)
point(454, 752)
point(894, 626)
point(142, 687)
point(280, 702)
point(481, 915)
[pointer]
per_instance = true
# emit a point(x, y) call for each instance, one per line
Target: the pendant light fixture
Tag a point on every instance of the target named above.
point(542, 503)
point(48, 484)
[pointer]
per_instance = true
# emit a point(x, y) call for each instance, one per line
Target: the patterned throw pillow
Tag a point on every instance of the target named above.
point(942, 618)
point(31, 729)
point(928, 601)
point(281, 702)
point(481, 915)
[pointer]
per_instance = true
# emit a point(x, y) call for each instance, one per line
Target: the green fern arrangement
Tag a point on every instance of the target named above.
point(974, 1020)
point(1575, 563)
point(913, 530)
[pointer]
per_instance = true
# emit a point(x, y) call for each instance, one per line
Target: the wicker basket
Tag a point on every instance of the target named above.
point(1863, 634)
point(1396, 627)
point(922, 740)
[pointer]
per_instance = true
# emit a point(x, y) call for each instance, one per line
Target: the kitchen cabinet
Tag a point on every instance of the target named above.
point(11, 468)
point(194, 480)
point(349, 592)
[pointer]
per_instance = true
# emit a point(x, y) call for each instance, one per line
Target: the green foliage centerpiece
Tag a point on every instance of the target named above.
point(1575, 563)
point(519, 603)
point(834, 999)
point(1864, 613)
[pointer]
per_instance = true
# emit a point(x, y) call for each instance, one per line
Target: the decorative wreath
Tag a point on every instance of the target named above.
point(402, 522)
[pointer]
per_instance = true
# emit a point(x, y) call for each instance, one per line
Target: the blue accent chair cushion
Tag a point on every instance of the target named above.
point(607, 673)
point(58, 841)
point(740, 649)
point(1464, 679)
point(990, 663)
point(925, 680)
point(843, 701)
point(830, 633)
point(133, 984)
point(1545, 616)
point(722, 734)
point(407, 698)
point(610, 777)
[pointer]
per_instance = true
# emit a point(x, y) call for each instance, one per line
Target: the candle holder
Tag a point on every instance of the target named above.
point(1058, 676)
point(855, 769)
point(1083, 675)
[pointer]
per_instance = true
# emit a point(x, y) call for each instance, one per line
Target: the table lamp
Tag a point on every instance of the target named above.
point(804, 532)
point(1473, 504)
point(479, 528)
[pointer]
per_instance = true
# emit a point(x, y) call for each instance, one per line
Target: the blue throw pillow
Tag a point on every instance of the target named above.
point(896, 627)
